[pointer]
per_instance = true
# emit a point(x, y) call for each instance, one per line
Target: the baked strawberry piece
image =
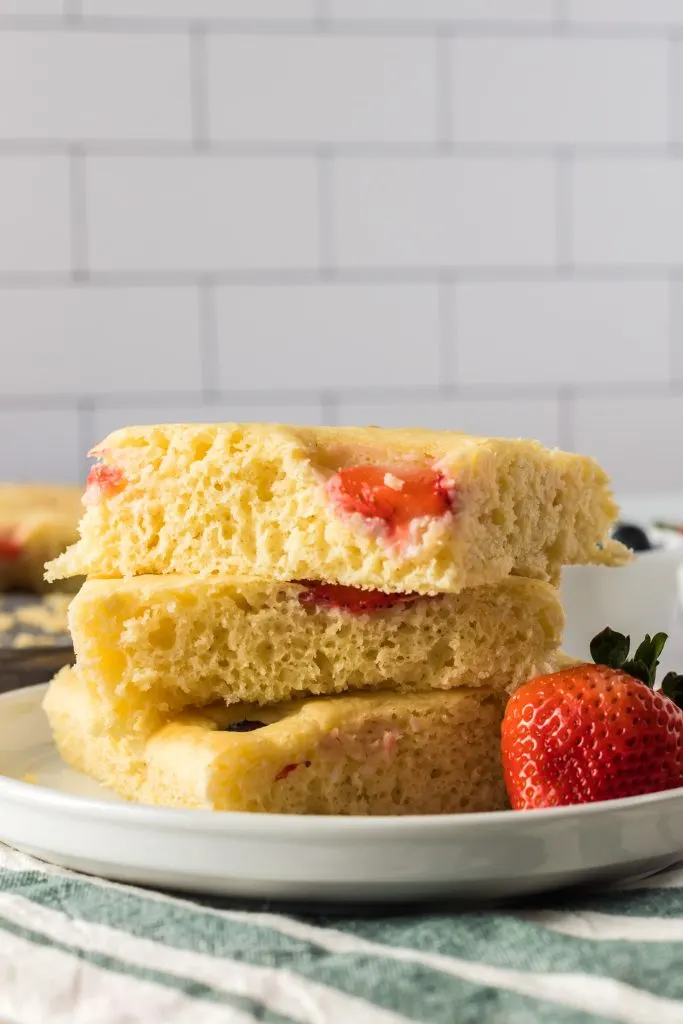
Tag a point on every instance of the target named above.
point(388, 499)
point(103, 482)
point(352, 599)
point(595, 732)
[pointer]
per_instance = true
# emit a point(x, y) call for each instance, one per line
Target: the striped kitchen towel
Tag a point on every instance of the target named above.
point(80, 950)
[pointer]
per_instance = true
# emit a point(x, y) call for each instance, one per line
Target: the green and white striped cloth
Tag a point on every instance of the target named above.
point(80, 950)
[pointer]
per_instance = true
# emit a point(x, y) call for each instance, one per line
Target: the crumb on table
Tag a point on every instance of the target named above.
point(35, 624)
point(49, 619)
point(31, 640)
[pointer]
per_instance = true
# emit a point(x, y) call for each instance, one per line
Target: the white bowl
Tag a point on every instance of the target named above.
point(638, 598)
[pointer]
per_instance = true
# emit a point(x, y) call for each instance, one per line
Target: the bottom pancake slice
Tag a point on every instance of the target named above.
point(368, 754)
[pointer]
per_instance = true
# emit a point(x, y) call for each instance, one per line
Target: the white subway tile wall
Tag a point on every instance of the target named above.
point(442, 212)
point(463, 214)
point(44, 444)
point(313, 337)
point(628, 213)
point(116, 341)
point(297, 88)
point(92, 85)
point(35, 218)
point(578, 332)
point(559, 91)
point(634, 435)
point(200, 214)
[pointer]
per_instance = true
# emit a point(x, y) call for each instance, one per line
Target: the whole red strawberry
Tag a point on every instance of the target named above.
point(595, 732)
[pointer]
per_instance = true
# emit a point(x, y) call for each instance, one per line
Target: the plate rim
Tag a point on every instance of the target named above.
point(250, 823)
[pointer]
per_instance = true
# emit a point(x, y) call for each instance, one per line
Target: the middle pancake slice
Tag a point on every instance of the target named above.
point(150, 645)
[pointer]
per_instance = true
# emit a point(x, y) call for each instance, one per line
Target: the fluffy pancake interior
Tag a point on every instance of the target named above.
point(173, 641)
point(252, 498)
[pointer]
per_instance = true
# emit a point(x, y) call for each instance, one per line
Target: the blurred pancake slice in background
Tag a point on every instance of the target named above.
point(37, 523)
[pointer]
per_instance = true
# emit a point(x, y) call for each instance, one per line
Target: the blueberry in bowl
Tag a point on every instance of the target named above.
point(632, 537)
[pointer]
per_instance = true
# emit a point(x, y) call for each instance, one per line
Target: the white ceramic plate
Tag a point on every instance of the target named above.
point(62, 817)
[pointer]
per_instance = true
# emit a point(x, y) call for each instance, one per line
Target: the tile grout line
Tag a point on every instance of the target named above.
point(72, 11)
point(561, 20)
point(564, 170)
point(472, 27)
point(298, 149)
point(447, 365)
point(329, 404)
point(311, 276)
point(443, 64)
point(78, 214)
point(675, 333)
point(200, 117)
point(566, 418)
point(321, 16)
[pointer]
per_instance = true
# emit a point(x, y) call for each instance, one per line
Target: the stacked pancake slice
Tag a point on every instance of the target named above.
point(36, 523)
point(315, 620)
